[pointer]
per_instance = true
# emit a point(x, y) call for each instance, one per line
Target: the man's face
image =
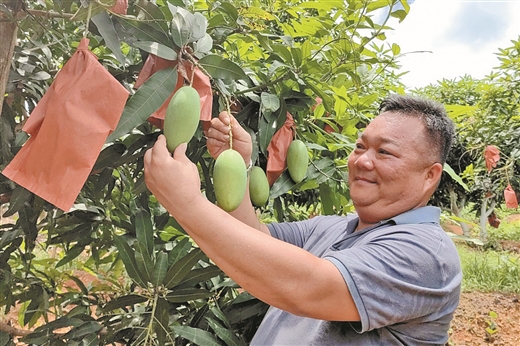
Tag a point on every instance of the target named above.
point(390, 168)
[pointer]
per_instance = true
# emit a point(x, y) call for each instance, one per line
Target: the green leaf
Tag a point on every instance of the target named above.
point(220, 315)
point(246, 311)
point(60, 323)
point(447, 168)
point(198, 275)
point(203, 46)
point(132, 31)
point(73, 252)
point(144, 261)
point(156, 48)
point(161, 265)
point(80, 284)
point(85, 329)
point(144, 230)
point(5, 338)
point(161, 321)
point(108, 32)
point(89, 340)
point(127, 256)
point(19, 196)
point(396, 49)
point(266, 129)
point(121, 302)
point(327, 199)
point(150, 96)
point(199, 27)
point(181, 27)
point(181, 268)
point(229, 9)
point(282, 185)
point(7, 237)
point(197, 336)
point(220, 68)
point(180, 250)
point(270, 102)
point(36, 338)
point(223, 333)
point(187, 294)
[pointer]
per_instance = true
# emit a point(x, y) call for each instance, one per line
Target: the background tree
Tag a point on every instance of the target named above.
point(486, 113)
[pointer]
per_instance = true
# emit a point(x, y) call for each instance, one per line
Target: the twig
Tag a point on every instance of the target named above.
point(41, 13)
point(4, 327)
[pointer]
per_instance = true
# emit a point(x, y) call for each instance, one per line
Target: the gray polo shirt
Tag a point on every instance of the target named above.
point(403, 273)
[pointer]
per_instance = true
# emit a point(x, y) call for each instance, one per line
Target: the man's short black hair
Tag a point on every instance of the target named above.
point(439, 126)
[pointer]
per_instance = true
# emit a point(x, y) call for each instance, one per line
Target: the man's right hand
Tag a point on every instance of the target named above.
point(218, 137)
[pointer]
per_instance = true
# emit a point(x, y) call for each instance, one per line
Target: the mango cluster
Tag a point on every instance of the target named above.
point(230, 176)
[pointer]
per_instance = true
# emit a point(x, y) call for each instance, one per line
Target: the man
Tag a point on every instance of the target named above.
point(387, 275)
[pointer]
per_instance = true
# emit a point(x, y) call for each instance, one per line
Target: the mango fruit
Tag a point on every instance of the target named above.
point(229, 179)
point(258, 187)
point(297, 160)
point(182, 117)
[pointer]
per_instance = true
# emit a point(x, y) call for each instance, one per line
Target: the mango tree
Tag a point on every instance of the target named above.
point(312, 70)
point(486, 153)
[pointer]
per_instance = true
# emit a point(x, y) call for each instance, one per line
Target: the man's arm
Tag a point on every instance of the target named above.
point(276, 272)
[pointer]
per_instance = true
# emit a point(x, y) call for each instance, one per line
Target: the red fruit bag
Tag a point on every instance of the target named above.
point(277, 149)
point(120, 7)
point(67, 129)
point(510, 197)
point(491, 155)
point(201, 83)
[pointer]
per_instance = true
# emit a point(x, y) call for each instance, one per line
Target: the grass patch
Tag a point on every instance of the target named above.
point(506, 231)
point(489, 271)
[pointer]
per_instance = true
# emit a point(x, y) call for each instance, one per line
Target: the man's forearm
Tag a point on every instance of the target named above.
point(246, 213)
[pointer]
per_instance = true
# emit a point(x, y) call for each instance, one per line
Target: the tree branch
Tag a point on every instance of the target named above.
point(4, 327)
point(41, 13)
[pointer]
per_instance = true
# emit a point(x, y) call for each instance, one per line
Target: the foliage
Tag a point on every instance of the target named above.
point(486, 112)
point(489, 271)
point(264, 60)
point(506, 231)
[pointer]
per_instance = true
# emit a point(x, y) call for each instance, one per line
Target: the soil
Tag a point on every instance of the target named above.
point(486, 319)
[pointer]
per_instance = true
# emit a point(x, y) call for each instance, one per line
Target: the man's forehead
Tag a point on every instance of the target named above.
point(381, 138)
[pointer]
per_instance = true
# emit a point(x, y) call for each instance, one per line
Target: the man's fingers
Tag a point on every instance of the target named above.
point(224, 117)
point(180, 152)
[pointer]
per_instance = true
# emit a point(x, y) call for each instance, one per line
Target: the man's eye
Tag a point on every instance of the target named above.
point(384, 152)
point(359, 146)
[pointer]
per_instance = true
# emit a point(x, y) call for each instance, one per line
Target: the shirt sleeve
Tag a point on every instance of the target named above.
point(401, 275)
point(294, 233)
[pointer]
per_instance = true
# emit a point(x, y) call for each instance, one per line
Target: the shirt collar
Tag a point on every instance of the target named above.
point(427, 214)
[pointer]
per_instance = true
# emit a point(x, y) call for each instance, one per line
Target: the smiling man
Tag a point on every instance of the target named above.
point(386, 275)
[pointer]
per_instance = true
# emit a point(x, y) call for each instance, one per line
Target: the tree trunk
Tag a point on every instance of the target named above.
point(484, 213)
point(8, 31)
point(456, 210)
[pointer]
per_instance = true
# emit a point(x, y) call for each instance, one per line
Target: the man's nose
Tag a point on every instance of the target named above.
point(365, 161)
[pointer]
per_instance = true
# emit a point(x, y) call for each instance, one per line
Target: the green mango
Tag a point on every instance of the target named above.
point(182, 117)
point(297, 160)
point(258, 187)
point(229, 179)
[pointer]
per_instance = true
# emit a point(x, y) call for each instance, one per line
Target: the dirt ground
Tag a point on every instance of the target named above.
point(486, 319)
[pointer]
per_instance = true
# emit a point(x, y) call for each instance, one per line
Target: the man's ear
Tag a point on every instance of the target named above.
point(433, 176)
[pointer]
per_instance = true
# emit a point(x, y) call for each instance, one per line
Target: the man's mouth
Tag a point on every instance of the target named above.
point(365, 180)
